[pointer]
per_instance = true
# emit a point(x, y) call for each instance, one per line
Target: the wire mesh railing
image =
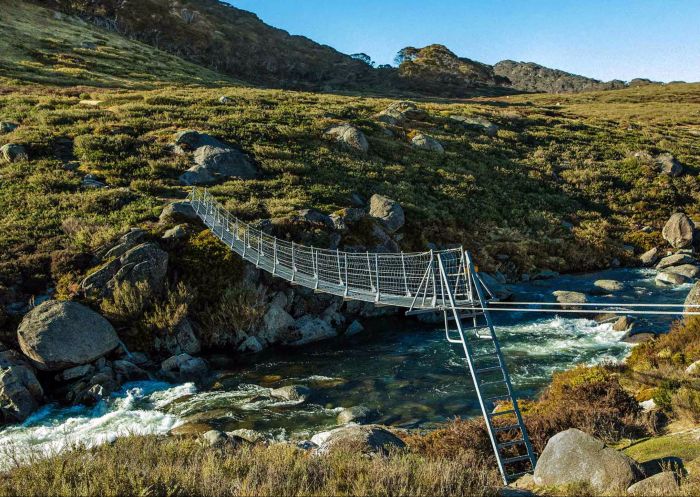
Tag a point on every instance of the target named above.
point(401, 279)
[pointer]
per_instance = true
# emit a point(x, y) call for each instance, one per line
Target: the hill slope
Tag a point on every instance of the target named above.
point(43, 46)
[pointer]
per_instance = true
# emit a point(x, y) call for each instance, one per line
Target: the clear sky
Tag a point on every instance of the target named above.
point(623, 39)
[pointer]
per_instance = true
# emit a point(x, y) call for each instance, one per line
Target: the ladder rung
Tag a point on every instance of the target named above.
point(517, 475)
point(516, 459)
point(495, 382)
point(490, 369)
point(501, 413)
point(498, 398)
point(507, 428)
point(511, 443)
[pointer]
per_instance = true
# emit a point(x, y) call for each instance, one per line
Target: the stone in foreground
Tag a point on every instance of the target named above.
point(349, 137)
point(370, 439)
point(59, 335)
point(427, 142)
point(664, 483)
point(573, 457)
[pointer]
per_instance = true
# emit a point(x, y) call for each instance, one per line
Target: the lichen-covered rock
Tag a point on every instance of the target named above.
point(669, 165)
point(668, 278)
point(427, 142)
point(649, 257)
point(573, 457)
point(59, 335)
point(693, 299)
point(349, 136)
point(145, 262)
point(678, 230)
point(213, 159)
point(369, 439)
point(388, 211)
point(178, 212)
point(13, 152)
point(20, 391)
point(661, 484)
point(675, 260)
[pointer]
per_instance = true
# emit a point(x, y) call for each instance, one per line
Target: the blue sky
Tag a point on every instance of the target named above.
point(601, 39)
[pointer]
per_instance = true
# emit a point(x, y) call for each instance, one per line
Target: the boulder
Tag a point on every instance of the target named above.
point(20, 392)
point(354, 328)
point(690, 271)
point(218, 439)
point(7, 127)
point(309, 329)
point(13, 153)
point(126, 242)
point(693, 369)
point(145, 262)
point(181, 339)
point(91, 181)
point(176, 233)
point(573, 457)
point(496, 287)
point(349, 137)
point(250, 436)
point(389, 212)
point(570, 297)
point(59, 335)
point(481, 123)
point(179, 212)
point(693, 299)
point(369, 439)
point(669, 165)
point(314, 216)
point(224, 100)
point(623, 323)
point(183, 367)
point(76, 372)
point(604, 287)
point(355, 414)
point(675, 260)
point(251, 345)
point(293, 393)
point(661, 484)
point(678, 230)
point(399, 112)
point(427, 142)
point(649, 257)
point(667, 278)
point(214, 160)
point(636, 338)
point(276, 324)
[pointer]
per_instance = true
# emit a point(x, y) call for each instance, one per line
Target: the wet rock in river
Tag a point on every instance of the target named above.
point(623, 323)
point(669, 278)
point(296, 393)
point(570, 297)
point(354, 329)
point(183, 367)
point(675, 260)
point(309, 329)
point(690, 271)
point(20, 392)
point(604, 287)
point(355, 414)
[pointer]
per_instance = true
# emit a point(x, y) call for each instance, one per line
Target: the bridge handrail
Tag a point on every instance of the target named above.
point(406, 279)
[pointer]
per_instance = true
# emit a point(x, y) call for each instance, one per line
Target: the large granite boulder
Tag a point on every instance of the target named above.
point(427, 142)
point(276, 324)
point(573, 457)
point(678, 230)
point(20, 391)
point(389, 212)
point(690, 271)
point(349, 137)
point(668, 278)
point(13, 153)
point(213, 159)
point(145, 262)
point(369, 439)
point(309, 329)
point(59, 335)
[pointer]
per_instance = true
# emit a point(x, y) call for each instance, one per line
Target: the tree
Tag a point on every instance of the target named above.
point(364, 58)
point(405, 55)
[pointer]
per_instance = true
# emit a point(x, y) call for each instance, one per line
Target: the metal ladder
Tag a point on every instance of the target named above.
point(504, 424)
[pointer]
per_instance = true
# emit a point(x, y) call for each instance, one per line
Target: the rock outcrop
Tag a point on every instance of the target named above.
point(574, 457)
point(675, 260)
point(213, 159)
point(678, 230)
point(349, 137)
point(669, 278)
point(389, 212)
point(59, 335)
point(20, 392)
point(528, 76)
point(427, 142)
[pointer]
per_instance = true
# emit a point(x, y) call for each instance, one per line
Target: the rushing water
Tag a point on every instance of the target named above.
point(407, 372)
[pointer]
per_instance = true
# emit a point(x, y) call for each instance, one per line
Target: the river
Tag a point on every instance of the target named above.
point(408, 373)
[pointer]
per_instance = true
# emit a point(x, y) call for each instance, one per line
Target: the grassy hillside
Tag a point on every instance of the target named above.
point(43, 46)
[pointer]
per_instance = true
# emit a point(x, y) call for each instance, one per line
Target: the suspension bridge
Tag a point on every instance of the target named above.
point(444, 281)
